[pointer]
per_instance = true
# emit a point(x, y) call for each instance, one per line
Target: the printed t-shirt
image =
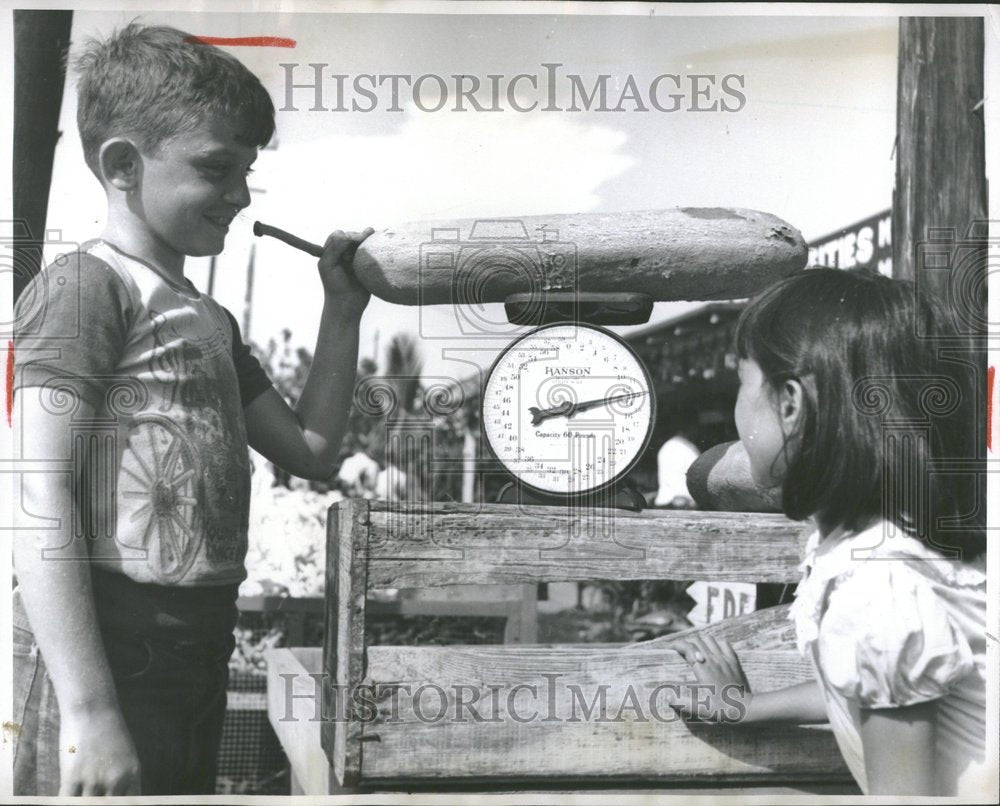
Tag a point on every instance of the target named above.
point(162, 473)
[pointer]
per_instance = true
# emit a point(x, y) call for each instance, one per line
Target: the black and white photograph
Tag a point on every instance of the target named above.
point(515, 402)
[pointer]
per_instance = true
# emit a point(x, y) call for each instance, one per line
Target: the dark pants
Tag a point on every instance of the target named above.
point(172, 695)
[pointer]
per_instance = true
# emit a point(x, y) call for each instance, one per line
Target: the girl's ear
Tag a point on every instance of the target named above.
point(121, 164)
point(790, 405)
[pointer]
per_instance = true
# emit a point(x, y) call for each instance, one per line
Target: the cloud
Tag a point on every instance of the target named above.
point(441, 165)
point(447, 165)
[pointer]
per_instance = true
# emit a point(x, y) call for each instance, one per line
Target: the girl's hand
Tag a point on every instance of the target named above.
point(337, 272)
point(722, 693)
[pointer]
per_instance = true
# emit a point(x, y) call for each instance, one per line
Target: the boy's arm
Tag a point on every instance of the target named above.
point(97, 756)
point(306, 441)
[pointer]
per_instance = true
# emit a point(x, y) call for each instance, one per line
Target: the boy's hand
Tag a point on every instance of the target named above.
point(337, 273)
point(723, 682)
point(97, 755)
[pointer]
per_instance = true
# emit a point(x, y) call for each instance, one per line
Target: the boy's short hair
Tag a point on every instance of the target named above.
point(152, 83)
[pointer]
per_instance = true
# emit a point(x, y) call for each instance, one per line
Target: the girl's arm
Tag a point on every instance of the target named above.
point(714, 662)
point(802, 703)
point(899, 749)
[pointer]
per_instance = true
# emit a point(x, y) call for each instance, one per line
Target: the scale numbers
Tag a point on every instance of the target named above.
point(567, 409)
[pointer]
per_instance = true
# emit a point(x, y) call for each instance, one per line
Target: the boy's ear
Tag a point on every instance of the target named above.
point(791, 405)
point(121, 164)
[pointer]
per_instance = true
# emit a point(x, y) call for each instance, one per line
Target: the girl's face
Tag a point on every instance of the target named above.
point(762, 424)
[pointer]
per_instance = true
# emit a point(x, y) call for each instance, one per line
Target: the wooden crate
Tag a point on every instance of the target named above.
point(375, 545)
point(516, 606)
point(292, 713)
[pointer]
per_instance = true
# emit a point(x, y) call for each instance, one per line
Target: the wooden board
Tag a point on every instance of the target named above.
point(292, 710)
point(344, 635)
point(770, 628)
point(548, 734)
point(691, 253)
point(376, 545)
point(426, 545)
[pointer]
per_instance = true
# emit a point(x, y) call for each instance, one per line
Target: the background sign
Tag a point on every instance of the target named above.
point(715, 601)
point(865, 245)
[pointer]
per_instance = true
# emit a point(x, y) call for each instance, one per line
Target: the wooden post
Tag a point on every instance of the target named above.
point(939, 214)
point(40, 42)
point(248, 299)
point(344, 644)
point(941, 161)
point(469, 451)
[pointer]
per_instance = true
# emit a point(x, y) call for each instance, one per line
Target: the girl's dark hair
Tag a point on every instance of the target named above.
point(153, 82)
point(885, 403)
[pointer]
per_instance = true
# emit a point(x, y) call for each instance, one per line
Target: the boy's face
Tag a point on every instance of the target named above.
point(193, 185)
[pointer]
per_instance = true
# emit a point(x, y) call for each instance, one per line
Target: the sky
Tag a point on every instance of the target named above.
point(812, 143)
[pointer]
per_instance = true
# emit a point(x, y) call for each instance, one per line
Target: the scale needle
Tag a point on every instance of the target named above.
point(568, 409)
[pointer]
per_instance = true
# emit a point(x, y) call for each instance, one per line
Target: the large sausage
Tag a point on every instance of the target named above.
point(685, 253)
point(720, 480)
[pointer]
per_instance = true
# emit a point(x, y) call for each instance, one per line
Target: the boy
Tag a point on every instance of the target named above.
point(124, 611)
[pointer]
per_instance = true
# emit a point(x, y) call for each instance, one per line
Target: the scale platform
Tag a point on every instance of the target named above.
point(590, 307)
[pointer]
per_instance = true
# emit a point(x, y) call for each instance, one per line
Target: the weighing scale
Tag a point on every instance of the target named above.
point(568, 408)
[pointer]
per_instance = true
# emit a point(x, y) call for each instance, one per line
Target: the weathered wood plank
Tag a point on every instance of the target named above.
point(344, 643)
point(292, 710)
point(547, 732)
point(770, 628)
point(433, 544)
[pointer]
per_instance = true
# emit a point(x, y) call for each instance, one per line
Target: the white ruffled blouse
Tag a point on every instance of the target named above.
point(888, 622)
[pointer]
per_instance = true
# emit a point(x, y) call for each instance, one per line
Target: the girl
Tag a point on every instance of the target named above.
point(854, 390)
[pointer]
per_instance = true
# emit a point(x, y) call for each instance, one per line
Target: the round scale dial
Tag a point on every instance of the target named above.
point(567, 409)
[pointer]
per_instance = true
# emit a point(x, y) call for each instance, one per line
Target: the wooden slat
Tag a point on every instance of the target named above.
point(770, 628)
point(292, 711)
point(479, 609)
point(344, 643)
point(522, 626)
point(433, 544)
point(764, 629)
point(631, 742)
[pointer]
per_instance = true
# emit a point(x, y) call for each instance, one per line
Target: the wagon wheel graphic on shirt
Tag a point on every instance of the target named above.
point(160, 483)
